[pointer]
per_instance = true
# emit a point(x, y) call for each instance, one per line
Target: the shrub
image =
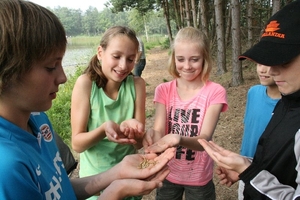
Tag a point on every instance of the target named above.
point(59, 114)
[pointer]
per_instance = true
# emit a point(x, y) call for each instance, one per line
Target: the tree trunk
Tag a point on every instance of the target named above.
point(177, 14)
point(181, 13)
point(228, 27)
point(275, 6)
point(145, 27)
point(165, 6)
point(237, 75)
point(187, 13)
point(221, 53)
point(203, 17)
point(250, 23)
point(194, 13)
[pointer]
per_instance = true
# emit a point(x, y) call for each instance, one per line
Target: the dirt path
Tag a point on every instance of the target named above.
point(154, 73)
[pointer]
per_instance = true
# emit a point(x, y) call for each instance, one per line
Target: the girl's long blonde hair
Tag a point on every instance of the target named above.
point(193, 36)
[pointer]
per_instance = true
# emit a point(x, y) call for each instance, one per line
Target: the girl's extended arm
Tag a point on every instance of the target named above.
point(207, 130)
point(80, 111)
point(208, 127)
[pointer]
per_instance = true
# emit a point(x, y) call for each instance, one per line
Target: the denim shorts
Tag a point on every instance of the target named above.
point(171, 191)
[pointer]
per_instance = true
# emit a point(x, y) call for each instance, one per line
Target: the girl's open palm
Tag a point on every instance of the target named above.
point(114, 134)
point(132, 129)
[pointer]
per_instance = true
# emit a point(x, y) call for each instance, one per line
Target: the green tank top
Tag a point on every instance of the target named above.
point(105, 154)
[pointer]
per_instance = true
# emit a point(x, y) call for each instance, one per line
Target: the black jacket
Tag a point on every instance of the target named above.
point(273, 172)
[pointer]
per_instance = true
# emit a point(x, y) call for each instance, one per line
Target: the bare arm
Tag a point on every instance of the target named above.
point(140, 106)
point(80, 111)
point(208, 127)
point(143, 180)
point(158, 130)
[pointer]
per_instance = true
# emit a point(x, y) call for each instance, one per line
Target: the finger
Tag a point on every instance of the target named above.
point(140, 127)
point(130, 133)
point(161, 160)
point(160, 175)
point(157, 147)
point(225, 182)
point(222, 161)
point(204, 144)
point(221, 176)
point(216, 147)
point(111, 136)
point(138, 134)
point(124, 126)
point(208, 148)
point(147, 141)
point(111, 133)
point(122, 140)
point(167, 155)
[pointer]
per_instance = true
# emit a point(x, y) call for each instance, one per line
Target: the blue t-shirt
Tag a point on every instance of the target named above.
point(258, 112)
point(30, 165)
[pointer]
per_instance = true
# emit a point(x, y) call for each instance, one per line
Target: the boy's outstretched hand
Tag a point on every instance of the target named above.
point(225, 158)
point(144, 166)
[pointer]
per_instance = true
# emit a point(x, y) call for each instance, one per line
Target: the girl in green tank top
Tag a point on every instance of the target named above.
point(108, 105)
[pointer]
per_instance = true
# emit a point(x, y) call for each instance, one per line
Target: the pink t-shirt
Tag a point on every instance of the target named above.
point(189, 167)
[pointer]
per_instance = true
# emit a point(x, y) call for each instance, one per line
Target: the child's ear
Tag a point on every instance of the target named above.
point(100, 52)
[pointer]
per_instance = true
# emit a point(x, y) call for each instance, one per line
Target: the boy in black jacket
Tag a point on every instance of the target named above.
point(274, 171)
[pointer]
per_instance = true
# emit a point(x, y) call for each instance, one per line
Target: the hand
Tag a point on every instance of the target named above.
point(224, 158)
point(169, 140)
point(148, 138)
point(126, 177)
point(120, 189)
point(133, 129)
point(124, 134)
point(227, 177)
point(129, 167)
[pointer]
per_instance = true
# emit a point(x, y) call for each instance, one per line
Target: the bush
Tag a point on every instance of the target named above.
point(59, 113)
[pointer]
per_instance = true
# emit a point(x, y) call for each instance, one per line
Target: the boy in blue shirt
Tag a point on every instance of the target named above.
point(32, 46)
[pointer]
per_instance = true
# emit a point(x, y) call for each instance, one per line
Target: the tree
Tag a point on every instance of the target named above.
point(221, 53)
point(237, 75)
point(178, 19)
point(203, 16)
point(228, 25)
point(165, 6)
point(70, 18)
point(250, 23)
point(187, 12)
point(142, 6)
point(194, 14)
point(90, 21)
point(276, 6)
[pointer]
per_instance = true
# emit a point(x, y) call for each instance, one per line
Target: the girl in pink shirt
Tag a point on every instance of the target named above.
point(187, 108)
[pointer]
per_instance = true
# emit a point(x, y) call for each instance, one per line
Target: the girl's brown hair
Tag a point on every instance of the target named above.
point(94, 69)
